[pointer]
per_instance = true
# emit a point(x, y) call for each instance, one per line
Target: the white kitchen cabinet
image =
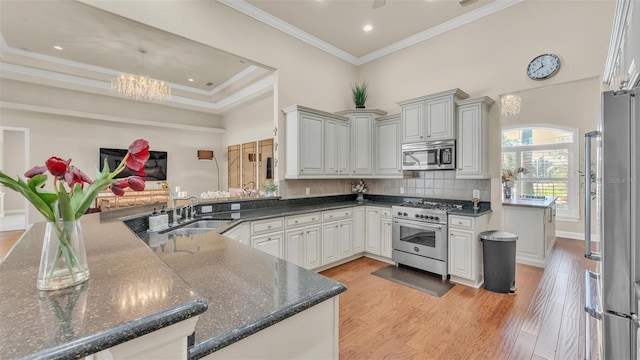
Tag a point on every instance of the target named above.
point(535, 228)
point(362, 144)
point(465, 249)
point(272, 244)
point(472, 145)
point(317, 144)
point(431, 117)
point(303, 247)
point(388, 154)
point(378, 231)
point(330, 242)
point(372, 232)
point(337, 235)
point(385, 237)
point(358, 230)
point(240, 233)
point(413, 122)
point(336, 148)
point(345, 239)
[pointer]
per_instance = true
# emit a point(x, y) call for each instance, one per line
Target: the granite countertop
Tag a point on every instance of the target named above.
point(518, 201)
point(483, 208)
point(246, 289)
point(130, 292)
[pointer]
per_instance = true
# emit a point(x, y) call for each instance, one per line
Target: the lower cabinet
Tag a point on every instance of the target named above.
point(336, 241)
point(465, 249)
point(303, 247)
point(240, 233)
point(378, 231)
point(358, 230)
point(535, 228)
point(272, 243)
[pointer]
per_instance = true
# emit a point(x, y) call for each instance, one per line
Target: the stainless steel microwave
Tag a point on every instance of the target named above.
point(429, 155)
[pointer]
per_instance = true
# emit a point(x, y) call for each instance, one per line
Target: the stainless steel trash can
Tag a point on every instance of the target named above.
point(499, 261)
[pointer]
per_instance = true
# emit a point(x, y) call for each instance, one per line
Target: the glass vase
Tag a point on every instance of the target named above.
point(63, 262)
point(360, 197)
point(507, 191)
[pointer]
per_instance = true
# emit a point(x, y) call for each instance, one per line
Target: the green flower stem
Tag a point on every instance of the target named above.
point(64, 249)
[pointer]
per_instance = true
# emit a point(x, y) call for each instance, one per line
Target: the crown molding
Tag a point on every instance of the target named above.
point(104, 87)
point(275, 22)
point(620, 22)
point(111, 73)
point(439, 29)
point(87, 115)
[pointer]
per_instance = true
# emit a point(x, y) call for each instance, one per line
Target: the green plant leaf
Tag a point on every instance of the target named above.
point(33, 197)
point(65, 204)
point(35, 184)
point(89, 194)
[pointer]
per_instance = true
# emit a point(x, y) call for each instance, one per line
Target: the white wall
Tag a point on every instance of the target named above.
point(489, 57)
point(80, 139)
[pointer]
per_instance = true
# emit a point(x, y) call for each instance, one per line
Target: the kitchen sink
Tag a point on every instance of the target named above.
point(198, 227)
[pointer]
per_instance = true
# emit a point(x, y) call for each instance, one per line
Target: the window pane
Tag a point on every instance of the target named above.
point(546, 163)
point(535, 136)
point(508, 160)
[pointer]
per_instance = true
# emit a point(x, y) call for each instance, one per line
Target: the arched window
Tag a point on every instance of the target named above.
point(550, 153)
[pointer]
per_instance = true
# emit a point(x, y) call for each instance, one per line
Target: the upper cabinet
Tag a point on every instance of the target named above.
point(317, 144)
point(472, 152)
point(362, 140)
point(387, 146)
point(430, 117)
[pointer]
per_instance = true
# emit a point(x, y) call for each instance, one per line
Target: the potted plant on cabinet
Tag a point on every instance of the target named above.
point(360, 95)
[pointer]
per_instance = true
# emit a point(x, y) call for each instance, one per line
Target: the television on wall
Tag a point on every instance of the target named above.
point(155, 168)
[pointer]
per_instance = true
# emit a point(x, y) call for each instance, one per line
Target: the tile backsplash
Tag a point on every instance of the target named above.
point(437, 184)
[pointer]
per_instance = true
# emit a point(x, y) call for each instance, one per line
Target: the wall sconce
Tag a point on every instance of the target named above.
point(510, 105)
point(208, 155)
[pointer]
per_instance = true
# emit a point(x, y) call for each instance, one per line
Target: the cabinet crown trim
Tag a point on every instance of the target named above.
point(477, 100)
point(456, 93)
point(389, 117)
point(293, 108)
point(362, 111)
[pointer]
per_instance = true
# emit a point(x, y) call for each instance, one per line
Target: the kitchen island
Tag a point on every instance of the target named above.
point(532, 219)
point(133, 294)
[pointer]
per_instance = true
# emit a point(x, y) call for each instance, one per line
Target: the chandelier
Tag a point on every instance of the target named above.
point(139, 86)
point(510, 105)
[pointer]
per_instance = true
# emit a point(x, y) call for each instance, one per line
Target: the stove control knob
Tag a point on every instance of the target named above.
point(436, 218)
point(399, 213)
point(405, 214)
point(422, 216)
point(417, 216)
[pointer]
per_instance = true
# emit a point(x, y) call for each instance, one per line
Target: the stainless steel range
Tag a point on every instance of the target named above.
point(419, 235)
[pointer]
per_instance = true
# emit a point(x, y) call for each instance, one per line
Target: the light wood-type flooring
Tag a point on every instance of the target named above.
point(544, 319)
point(7, 240)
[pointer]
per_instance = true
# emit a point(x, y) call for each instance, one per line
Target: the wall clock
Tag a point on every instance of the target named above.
point(543, 66)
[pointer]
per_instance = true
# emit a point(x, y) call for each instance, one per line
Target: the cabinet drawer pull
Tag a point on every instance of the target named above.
point(296, 221)
point(313, 219)
point(268, 226)
point(459, 222)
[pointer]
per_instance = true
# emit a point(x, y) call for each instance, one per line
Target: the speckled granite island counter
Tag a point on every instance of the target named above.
point(130, 295)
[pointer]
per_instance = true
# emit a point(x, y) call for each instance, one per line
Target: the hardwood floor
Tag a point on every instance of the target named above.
point(7, 240)
point(380, 319)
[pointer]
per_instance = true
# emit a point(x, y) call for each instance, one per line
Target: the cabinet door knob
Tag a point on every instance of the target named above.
point(421, 136)
point(296, 221)
point(313, 219)
point(268, 226)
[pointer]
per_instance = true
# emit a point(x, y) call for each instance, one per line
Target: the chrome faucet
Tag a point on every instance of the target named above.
point(179, 213)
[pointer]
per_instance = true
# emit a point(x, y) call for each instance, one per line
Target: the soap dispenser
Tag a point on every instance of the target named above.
point(155, 222)
point(164, 217)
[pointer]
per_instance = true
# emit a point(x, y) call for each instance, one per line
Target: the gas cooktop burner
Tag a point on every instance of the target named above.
point(431, 205)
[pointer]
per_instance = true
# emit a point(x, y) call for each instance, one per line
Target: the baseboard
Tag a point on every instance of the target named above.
point(575, 235)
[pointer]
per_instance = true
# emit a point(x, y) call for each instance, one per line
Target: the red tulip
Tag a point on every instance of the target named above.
point(36, 170)
point(57, 166)
point(136, 183)
point(138, 155)
point(117, 190)
point(122, 184)
point(75, 175)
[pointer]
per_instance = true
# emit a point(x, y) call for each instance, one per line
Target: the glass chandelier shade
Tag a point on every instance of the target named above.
point(510, 105)
point(140, 87)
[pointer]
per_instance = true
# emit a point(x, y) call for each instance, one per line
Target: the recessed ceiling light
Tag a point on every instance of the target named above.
point(367, 28)
point(57, 47)
point(190, 80)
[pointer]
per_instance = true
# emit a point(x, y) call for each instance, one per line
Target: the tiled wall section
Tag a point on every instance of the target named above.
point(437, 184)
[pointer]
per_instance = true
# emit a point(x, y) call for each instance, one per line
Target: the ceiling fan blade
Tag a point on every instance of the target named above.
point(378, 3)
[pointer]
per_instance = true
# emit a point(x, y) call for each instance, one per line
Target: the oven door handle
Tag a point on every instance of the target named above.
point(417, 223)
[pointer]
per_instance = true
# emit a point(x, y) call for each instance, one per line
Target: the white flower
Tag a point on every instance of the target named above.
point(511, 175)
point(360, 187)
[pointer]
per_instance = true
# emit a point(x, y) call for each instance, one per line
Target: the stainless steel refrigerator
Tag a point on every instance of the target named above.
point(610, 299)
